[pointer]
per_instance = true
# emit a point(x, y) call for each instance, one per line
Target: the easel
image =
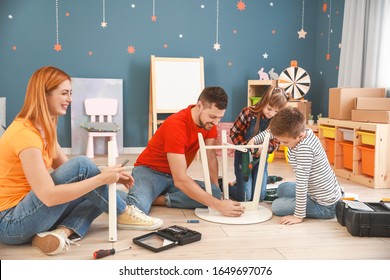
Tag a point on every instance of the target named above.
point(175, 83)
point(254, 213)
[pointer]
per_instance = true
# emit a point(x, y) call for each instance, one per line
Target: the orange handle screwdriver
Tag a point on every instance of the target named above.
point(104, 253)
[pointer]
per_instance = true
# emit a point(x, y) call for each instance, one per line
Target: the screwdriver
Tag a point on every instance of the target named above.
point(104, 253)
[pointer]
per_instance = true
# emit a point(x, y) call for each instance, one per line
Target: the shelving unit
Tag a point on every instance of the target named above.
point(332, 134)
point(257, 88)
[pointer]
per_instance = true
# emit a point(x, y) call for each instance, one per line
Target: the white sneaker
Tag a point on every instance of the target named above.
point(51, 242)
point(133, 218)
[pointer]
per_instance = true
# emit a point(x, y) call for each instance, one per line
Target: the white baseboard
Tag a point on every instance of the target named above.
point(126, 151)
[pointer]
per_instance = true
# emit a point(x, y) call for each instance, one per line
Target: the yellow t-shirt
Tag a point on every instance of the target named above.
point(20, 135)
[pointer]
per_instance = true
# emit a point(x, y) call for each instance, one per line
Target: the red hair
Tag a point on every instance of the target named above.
point(35, 107)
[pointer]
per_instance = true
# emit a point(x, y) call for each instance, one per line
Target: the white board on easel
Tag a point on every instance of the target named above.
point(175, 83)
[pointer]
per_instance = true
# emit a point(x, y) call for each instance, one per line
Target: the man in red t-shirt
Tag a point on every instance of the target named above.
point(160, 172)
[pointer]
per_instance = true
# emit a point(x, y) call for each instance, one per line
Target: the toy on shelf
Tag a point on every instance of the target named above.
point(263, 75)
point(273, 75)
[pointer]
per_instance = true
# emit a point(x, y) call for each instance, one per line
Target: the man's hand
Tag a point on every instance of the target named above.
point(290, 220)
point(230, 208)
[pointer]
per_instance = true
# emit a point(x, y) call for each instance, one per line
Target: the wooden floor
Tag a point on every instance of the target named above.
point(310, 240)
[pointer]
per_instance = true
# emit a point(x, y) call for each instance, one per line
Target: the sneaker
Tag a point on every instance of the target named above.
point(51, 242)
point(133, 218)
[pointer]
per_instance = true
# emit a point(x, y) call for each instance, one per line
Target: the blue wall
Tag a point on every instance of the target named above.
point(28, 35)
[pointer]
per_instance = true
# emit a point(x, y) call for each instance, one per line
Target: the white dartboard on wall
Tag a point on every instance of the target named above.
point(295, 81)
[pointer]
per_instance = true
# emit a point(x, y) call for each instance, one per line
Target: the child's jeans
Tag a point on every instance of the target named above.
point(285, 204)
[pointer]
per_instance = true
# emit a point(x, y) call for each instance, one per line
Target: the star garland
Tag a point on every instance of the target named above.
point(104, 22)
point(57, 46)
point(217, 46)
point(324, 6)
point(302, 33)
point(329, 29)
point(154, 18)
point(240, 5)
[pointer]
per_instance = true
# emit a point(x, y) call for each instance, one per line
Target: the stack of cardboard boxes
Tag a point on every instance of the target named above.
point(359, 104)
point(369, 109)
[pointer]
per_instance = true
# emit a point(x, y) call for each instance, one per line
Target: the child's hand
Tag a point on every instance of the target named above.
point(290, 220)
point(258, 151)
point(251, 142)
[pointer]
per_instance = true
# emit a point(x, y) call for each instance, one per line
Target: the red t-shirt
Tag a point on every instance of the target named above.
point(178, 134)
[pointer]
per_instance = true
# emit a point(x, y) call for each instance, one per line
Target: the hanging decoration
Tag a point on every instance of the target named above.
point(240, 5)
point(324, 6)
point(329, 29)
point(130, 49)
point(217, 46)
point(104, 23)
point(302, 33)
point(154, 18)
point(57, 46)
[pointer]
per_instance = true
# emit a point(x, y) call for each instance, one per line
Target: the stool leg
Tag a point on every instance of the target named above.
point(90, 150)
point(113, 139)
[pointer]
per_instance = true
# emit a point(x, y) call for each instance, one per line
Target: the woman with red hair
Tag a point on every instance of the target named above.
point(46, 198)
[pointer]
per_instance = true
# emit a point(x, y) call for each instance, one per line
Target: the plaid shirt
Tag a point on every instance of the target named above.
point(242, 124)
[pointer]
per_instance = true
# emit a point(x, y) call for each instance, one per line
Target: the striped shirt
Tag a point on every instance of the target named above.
point(314, 176)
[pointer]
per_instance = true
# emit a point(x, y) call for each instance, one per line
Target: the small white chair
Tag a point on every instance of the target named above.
point(101, 111)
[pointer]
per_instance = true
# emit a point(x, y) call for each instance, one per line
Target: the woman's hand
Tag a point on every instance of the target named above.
point(112, 174)
point(117, 174)
point(126, 179)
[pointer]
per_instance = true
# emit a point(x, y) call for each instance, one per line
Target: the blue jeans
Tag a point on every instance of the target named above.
point(30, 216)
point(243, 191)
point(285, 204)
point(149, 184)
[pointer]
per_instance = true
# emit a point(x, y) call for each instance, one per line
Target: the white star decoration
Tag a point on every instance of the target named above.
point(133, 6)
point(302, 34)
point(265, 55)
point(104, 24)
point(217, 46)
point(180, 35)
point(10, 17)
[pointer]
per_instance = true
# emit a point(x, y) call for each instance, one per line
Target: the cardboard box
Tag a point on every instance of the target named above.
point(371, 116)
point(303, 105)
point(372, 103)
point(342, 100)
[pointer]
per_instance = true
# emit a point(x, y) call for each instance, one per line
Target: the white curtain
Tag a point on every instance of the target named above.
point(365, 51)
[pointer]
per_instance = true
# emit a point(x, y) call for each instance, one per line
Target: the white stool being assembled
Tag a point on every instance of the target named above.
point(254, 213)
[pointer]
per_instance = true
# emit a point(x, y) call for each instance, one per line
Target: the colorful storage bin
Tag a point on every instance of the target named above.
point(347, 154)
point(329, 149)
point(368, 159)
point(254, 99)
point(328, 131)
point(347, 134)
point(368, 138)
